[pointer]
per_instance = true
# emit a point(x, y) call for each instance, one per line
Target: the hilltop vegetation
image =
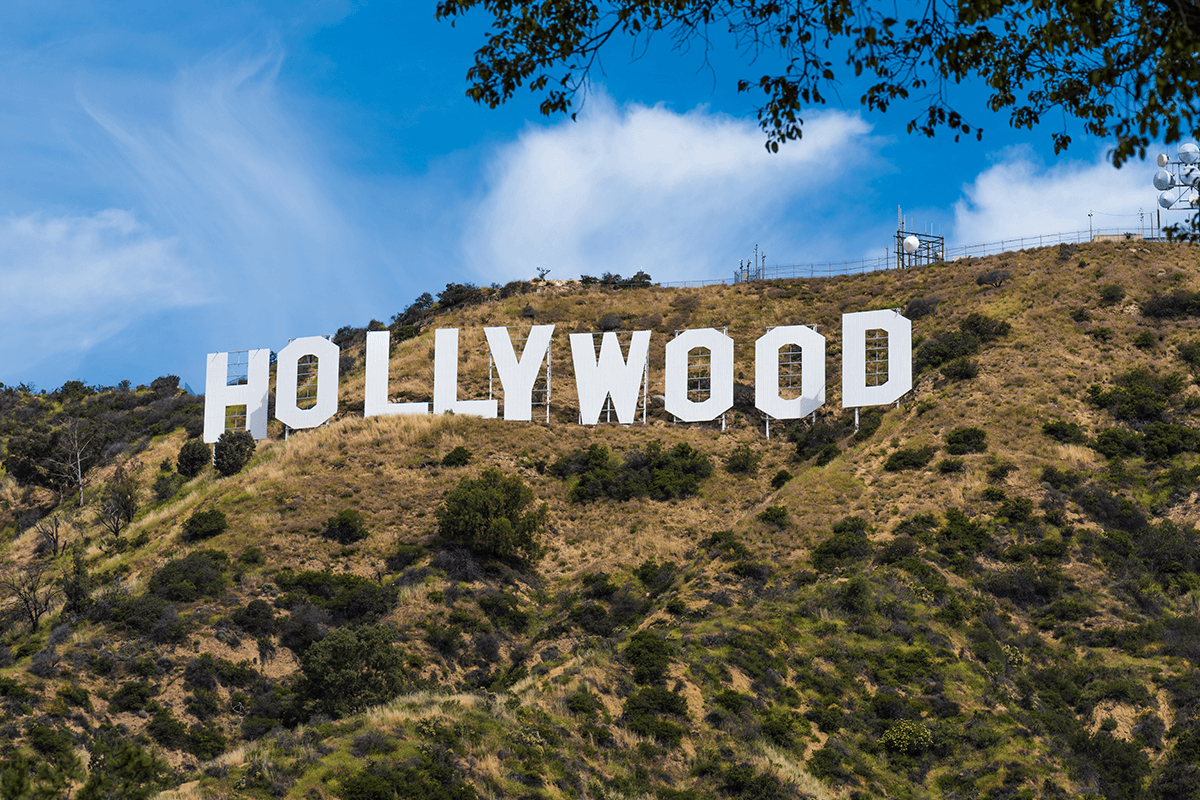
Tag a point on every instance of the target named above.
point(990, 590)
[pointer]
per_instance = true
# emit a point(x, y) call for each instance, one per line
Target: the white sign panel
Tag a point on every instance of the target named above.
point(252, 394)
point(518, 376)
point(610, 375)
point(812, 372)
point(375, 396)
point(720, 397)
point(855, 392)
point(287, 382)
point(445, 379)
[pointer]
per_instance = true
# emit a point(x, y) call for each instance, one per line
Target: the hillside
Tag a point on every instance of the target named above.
point(990, 590)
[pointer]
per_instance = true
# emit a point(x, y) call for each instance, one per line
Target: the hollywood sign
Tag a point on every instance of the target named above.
point(600, 375)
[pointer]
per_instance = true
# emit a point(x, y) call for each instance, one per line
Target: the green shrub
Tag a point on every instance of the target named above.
point(353, 668)
point(55, 745)
point(167, 730)
point(205, 742)
point(849, 543)
point(1065, 432)
point(827, 453)
point(983, 327)
point(199, 574)
point(1111, 294)
point(907, 737)
point(782, 725)
point(961, 369)
point(584, 702)
point(774, 515)
point(1145, 340)
point(650, 656)
point(346, 598)
point(256, 618)
point(345, 527)
point(431, 777)
point(131, 696)
point(920, 307)
point(949, 465)
point(908, 458)
point(781, 478)
point(742, 461)
point(643, 714)
point(966, 440)
point(1118, 443)
point(653, 473)
point(194, 456)
point(458, 457)
point(489, 517)
point(204, 524)
point(993, 277)
point(1000, 470)
point(232, 452)
point(1138, 395)
point(944, 347)
point(252, 556)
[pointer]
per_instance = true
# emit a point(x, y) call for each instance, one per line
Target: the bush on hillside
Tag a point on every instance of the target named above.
point(993, 277)
point(1111, 294)
point(961, 369)
point(493, 516)
point(233, 451)
point(920, 307)
point(655, 473)
point(345, 527)
point(194, 456)
point(848, 545)
point(198, 574)
point(650, 656)
point(1138, 395)
point(961, 441)
point(908, 458)
point(458, 457)
point(1065, 432)
point(353, 668)
point(204, 524)
point(742, 461)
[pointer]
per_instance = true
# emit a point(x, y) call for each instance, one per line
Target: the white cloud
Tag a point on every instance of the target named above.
point(681, 195)
point(70, 282)
point(1020, 196)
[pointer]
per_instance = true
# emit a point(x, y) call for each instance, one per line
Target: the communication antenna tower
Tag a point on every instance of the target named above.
point(914, 248)
point(1178, 181)
point(751, 269)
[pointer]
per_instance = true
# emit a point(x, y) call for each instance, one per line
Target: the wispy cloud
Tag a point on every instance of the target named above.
point(71, 282)
point(230, 172)
point(1021, 196)
point(683, 195)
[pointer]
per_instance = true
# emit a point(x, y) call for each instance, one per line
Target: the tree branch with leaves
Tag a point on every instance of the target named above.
point(1125, 70)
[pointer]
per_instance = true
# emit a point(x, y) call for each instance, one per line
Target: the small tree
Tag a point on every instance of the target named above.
point(233, 451)
point(993, 277)
point(489, 517)
point(120, 502)
point(77, 584)
point(193, 457)
point(353, 668)
point(33, 588)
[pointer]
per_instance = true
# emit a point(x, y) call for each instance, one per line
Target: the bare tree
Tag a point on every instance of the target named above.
point(120, 502)
point(51, 533)
point(33, 586)
point(77, 453)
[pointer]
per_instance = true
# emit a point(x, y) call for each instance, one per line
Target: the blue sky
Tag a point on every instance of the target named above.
point(185, 178)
